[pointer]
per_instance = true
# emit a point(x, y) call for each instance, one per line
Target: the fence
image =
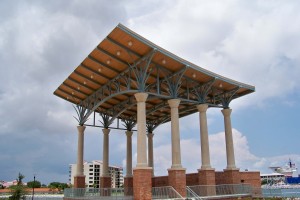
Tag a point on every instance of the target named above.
point(281, 192)
point(99, 193)
point(218, 191)
point(167, 192)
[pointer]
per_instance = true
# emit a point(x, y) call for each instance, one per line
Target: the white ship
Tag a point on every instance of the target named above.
point(289, 170)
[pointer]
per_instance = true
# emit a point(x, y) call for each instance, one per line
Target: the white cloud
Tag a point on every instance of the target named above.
point(249, 42)
point(191, 156)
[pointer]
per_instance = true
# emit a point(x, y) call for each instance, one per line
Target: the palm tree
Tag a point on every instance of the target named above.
point(18, 191)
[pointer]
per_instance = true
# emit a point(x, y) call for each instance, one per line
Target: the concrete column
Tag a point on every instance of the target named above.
point(141, 130)
point(105, 170)
point(176, 154)
point(142, 174)
point(150, 151)
point(205, 158)
point(79, 178)
point(80, 149)
point(229, 141)
point(129, 154)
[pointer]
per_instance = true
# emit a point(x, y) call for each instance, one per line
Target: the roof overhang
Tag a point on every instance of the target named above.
point(125, 63)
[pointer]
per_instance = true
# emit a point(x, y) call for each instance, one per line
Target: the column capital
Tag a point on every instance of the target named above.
point(129, 133)
point(106, 131)
point(81, 128)
point(226, 112)
point(150, 135)
point(141, 97)
point(202, 107)
point(174, 103)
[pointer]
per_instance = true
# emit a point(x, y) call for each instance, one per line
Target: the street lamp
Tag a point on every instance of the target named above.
point(33, 186)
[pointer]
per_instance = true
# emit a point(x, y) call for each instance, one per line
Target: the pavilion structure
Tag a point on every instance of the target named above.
point(128, 78)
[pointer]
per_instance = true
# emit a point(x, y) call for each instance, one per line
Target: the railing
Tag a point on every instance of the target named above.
point(99, 193)
point(167, 192)
point(218, 191)
point(191, 194)
point(281, 192)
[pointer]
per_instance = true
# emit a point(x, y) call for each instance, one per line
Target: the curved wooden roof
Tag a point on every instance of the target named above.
point(107, 78)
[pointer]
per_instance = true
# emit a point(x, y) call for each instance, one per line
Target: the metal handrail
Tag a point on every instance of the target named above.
point(217, 191)
point(167, 192)
point(191, 194)
point(97, 193)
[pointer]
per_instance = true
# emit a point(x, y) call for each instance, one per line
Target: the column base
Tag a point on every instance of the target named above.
point(142, 183)
point(232, 176)
point(177, 179)
point(207, 177)
point(79, 181)
point(105, 182)
point(128, 186)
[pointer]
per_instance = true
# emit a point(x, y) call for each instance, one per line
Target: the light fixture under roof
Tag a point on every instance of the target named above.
point(73, 92)
point(108, 62)
point(84, 82)
point(194, 75)
point(221, 85)
point(78, 88)
point(118, 53)
point(92, 76)
point(68, 97)
point(130, 43)
point(164, 61)
point(99, 70)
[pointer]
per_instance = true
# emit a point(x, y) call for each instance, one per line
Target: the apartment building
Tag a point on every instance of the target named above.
point(92, 171)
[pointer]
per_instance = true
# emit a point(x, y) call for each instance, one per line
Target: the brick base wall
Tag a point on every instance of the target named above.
point(79, 182)
point(206, 177)
point(142, 184)
point(128, 186)
point(192, 179)
point(160, 181)
point(252, 178)
point(177, 179)
point(105, 182)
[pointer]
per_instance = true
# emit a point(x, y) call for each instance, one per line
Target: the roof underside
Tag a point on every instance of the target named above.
point(125, 63)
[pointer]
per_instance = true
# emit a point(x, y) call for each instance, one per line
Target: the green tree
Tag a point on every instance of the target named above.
point(18, 191)
point(60, 186)
point(35, 184)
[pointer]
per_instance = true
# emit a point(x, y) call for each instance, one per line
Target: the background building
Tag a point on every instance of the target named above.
point(92, 171)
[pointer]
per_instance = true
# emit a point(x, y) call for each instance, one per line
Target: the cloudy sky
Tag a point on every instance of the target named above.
point(42, 42)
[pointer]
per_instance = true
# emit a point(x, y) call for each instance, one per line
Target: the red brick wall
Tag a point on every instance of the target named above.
point(252, 178)
point(160, 181)
point(142, 182)
point(192, 179)
point(177, 179)
point(79, 182)
point(128, 182)
point(105, 182)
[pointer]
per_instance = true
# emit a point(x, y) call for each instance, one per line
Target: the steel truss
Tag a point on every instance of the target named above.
point(145, 75)
point(167, 85)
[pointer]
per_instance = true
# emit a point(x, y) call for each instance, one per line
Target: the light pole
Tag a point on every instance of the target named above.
point(33, 186)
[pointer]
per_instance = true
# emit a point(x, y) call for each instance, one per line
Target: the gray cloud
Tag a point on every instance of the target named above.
point(41, 43)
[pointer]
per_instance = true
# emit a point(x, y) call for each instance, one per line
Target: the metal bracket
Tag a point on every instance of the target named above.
point(141, 72)
point(106, 122)
point(81, 114)
point(129, 124)
point(202, 90)
point(174, 82)
point(227, 96)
